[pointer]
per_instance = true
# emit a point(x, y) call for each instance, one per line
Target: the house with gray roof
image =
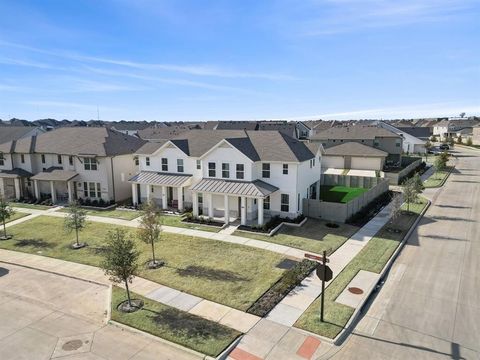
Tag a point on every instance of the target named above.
point(354, 155)
point(233, 174)
point(70, 163)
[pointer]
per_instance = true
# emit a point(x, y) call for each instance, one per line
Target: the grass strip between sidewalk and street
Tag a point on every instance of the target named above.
point(373, 257)
point(14, 204)
point(113, 213)
point(438, 178)
point(174, 325)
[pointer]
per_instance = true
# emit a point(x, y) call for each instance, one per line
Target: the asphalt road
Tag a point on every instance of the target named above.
point(429, 306)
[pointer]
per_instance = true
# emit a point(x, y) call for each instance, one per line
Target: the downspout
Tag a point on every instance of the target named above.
point(113, 178)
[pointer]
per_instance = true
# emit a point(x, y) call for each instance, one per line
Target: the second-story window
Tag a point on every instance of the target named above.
point(59, 159)
point(199, 164)
point(2, 159)
point(225, 170)
point(180, 165)
point(22, 158)
point(43, 159)
point(265, 170)
point(240, 171)
point(376, 143)
point(397, 143)
point(285, 169)
point(211, 169)
point(147, 161)
point(70, 160)
point(89, 164)
point(164, 164)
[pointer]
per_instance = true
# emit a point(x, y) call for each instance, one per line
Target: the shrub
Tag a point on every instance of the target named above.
point(88, 202)
point(469, 141)
point(101, 203)
point(95, 202)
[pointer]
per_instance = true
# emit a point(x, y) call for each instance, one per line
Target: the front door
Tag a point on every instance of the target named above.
point(170, 196)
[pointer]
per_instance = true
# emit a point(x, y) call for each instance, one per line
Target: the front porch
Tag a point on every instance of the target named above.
point(56, 184)
point(15, 184)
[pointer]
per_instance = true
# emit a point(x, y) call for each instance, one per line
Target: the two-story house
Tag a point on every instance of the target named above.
point(250, 175)
point(71, 163)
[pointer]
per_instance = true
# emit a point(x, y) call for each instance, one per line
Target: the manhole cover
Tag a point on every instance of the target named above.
point(72, 345)
point(355, 290)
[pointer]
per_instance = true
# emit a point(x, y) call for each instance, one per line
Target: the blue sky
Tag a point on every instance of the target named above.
point(206, 60)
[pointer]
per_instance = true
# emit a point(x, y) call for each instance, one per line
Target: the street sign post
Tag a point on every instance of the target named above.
point(324, 273)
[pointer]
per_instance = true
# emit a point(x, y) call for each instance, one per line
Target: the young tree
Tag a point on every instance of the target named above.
point(469, 141)
point(5, 213)
point(410, 193)
point(450, 141)
point(441, 161)
point(75, 221)
point(433, 138)
point(428, 146)
point(418, 183)
point(396, 207)
point(121, 260)
point(459, 139)
point(150, 229)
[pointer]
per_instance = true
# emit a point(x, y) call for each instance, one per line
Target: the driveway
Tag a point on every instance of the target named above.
point(47, 316)
point(429, 306)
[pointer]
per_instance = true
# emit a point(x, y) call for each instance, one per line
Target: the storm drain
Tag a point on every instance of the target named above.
point(355, 290)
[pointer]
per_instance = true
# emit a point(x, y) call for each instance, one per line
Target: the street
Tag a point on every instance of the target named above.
point(429, 306)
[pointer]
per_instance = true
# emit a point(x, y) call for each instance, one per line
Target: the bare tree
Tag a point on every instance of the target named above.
point(150, 229)
point(396, 207)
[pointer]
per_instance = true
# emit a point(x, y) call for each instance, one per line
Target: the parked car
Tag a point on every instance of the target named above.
point(444, 147)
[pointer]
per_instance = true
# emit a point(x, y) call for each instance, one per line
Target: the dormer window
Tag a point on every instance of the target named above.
point(70, 160)
point(22, 158)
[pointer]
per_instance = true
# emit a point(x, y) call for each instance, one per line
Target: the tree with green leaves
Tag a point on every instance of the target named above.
point(75, 221)
point(410, 194)
point(451, 142)
point(121, 261)
point(428, 146)
point(150, 229)
point(417, 181)
point(459, 139)
point(6, 213)
point(396, 207)
point(434, 138)
point(441, 161)
point(469, 141)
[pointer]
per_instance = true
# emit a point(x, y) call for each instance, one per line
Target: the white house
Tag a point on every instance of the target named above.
point(411, 144)
point(449, 128)
point(68, 164)
point(250, 175)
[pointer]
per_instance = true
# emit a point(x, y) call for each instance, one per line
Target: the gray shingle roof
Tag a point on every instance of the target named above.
point(355, 149)
point(354, 132)
point(157, 178)
point(55, 175)
point(257, 188)
point(15, 173)
point(9, 135)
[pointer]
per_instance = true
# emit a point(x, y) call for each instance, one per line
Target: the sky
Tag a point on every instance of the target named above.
point(178, 60)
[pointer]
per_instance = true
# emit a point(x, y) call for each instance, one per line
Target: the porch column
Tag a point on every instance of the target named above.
point(36, 189)
point(149, 192)
point(260, 211)
point(226, 211)
point(2, 188)
point(164, 198)
point(210, 205)
point(243, 210)
point(134, 195)
point(195, 203)
point(52, 191)
point(70, 192)
point(16, 183)
point(180, 198)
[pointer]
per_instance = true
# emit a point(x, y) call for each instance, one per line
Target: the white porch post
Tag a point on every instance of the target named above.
point(149, 192)
point(164, 198)
point(260, 211)
point(210, 205)
point(226, 211)
point(195, 204)
point(2, 188)
point(180, 198)
point(243, 210)
point(36, 189)
point(70, 192)
point(134, 195)
point(52, 191)
point(16, 183)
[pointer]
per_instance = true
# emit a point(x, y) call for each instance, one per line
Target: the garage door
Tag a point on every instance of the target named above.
point(369, 163)
point(335, 162)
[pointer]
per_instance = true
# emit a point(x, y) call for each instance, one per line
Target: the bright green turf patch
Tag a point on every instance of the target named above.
point(340, 194)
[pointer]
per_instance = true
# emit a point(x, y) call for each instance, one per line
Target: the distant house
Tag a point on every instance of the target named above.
point(285, 127)
point(157, 134)
point(419, 132)
point(476, 135)
point(129, 127)
point(354, 155)
point(449, 128)
point(410, 144)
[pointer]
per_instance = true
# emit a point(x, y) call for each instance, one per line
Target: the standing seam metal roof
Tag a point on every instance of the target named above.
point(156, 178)
point(257, 188)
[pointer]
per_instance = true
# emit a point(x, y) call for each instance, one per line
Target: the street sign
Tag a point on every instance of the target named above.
point(324, 272)
point(316, 258)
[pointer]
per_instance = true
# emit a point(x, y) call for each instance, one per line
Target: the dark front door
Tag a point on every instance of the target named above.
point(170, 196)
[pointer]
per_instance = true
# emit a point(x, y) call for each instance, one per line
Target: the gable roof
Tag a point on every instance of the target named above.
point(80, 141)
point(9, 135)
point(355, 149)
point(354, 132)
point(154, 133)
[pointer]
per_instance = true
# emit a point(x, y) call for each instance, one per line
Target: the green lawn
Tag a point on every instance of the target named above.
point(176, 220)
point(16, 216)
point(174, 325)
point(373, 257)
point(30, 206)
point(117, 214)
point(340, 194)
point(437, 178)
point(231, 274)
point(313, 236)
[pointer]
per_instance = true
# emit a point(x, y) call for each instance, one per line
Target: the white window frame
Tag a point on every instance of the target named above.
point(90, 164)
point(212, 169)
point(240, 171)
point(180, 166)
point(266, 170)
point(225, 170)
point(164, 164)
point(284, 205)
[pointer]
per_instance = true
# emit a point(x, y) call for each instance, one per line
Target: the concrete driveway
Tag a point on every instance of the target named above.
point(47, 316)
point(429, 306)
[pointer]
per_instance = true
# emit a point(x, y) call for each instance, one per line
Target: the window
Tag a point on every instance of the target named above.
point(211, 169)
point(22, 158)
point(285, 203)
point(179, 165)
point(312, 163)
point(92, 190)
point(164, 164)
point(59, 159)
point(43, 158)
point(285, 169)
point(265, 170)
point(266, 203)
point(199, 164)
point(2, 159)
point(225, 170)
point(70, 160)
point(376, 143)
point(147, 161)
point(240, 171)
point(397, 143)
point(90, 164)
point(298, 202)
point(137, 162)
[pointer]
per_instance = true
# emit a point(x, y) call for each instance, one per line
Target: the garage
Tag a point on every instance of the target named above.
point(354, 156)
point(336, 162)
point(366, 163)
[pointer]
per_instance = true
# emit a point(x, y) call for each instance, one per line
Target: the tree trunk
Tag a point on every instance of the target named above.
point(4, 229)
point(153, 252)
point(76, 233)
point(76, 229)
point(128, 294)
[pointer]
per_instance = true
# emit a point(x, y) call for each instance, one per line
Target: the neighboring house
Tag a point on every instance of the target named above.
point(476, 135)
point(236, 125)
point(9, 134)
point(157, 134)
point(449, 128)
point(320, 125)
point(372, 136)
point(422, 133)
point(70, 163)
point(250, 175)
point(354, 155)
point(129, 127)
point(288, 128)
point(410, 144)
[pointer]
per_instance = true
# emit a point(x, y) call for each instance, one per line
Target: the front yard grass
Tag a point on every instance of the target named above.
point(437, 178)
point(16, 216)
point(114, 213)
point(174, 325)
point(373, 257)
point(340, 194)
point(30, 206)
point(176, 220)
point(313, 236)
point(231, 274)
